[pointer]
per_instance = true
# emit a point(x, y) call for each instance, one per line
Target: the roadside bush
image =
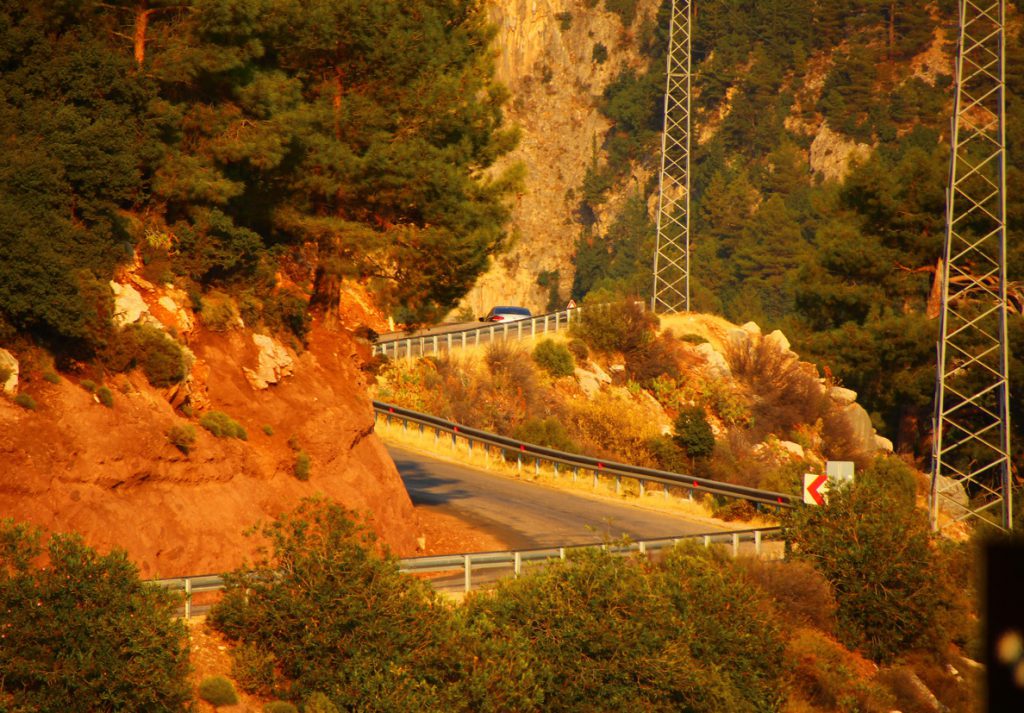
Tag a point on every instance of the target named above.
point(668, 455)
point(799, 591)
point(49, 377)
point(217, 312)
point(693, 432)
point(578, 348)
point(218, 691)
point(651, 361)
point(106, 396)
point(182, 437)
point(254, 670)
point(25, 401)
point(554, 358)
point(889, 601)
point(336, 617)
point(833, 678)
point(548, 432)
point(222, 426)
point(84, 633)
point(619, 327)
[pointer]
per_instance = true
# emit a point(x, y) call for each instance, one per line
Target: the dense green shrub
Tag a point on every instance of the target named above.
point(87, 384)
point(319, 703)
point(106, 396)
point(218, 691)
point(889, 598)
point(268, 429)
point(693, 432)
point(548, 432)
point(25, 401)
point(608, 633)
point(222, 426)
point(619, 327)
point(337, 617)
point(281, 707)
point(554, 358)
point(162, 359)
point(302, 465)
point(84, 633)
point(182, 437)
point(578, 348)
point(50, 377)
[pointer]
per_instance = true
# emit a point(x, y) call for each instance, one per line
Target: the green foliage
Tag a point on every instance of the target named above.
point(338, 618)
point(222, 426)
point(49, 377)
point(549, 432)
point(161, 358)
point(564, 20)
point(85, 633)
point(620, 327)
point(319, 703)
point(578, 348)
point(89, 385)
point(693, 432)
point(599, 55)
point(106, 396)
point(281, 707)
point(889, 599)
point(302, 465)
point(218, 691)
point(554, 357)
point(182, 437)
point(267, 429)
point(25, 401)
point(604, 633)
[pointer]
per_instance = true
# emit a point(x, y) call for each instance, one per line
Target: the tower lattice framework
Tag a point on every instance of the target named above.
point(672, 248)
point(971, 451)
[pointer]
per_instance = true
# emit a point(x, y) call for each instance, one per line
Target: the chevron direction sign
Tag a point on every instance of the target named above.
point(815, 489)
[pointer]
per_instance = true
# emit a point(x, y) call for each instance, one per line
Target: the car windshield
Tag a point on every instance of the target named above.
point(511, 310)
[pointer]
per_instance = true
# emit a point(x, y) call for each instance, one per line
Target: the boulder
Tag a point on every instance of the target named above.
point(273, 362)
point(716, 362)
point(883, 444)
point(9, 366)
point(129, 307)
point(952, 500)
point(181, 318)
point(779, 340)
point(843, 396)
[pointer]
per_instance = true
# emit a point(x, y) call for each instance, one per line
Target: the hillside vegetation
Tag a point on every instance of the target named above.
point(271, 148)
point(819, 167)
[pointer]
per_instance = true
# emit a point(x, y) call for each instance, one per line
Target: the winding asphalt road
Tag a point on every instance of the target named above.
point(528, 515)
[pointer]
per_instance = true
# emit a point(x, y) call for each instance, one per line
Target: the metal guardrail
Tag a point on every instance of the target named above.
point(413, 345)
point(576, 463)
point(504, 563)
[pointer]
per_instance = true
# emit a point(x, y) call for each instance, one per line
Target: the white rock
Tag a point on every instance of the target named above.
point(716, 362)
point(779, 340)
point(794, 448)
point(9, 364)
point(183, 320)
point(882, 443)
point(843, 396)
point(751, 328)
point(129, 307)
point(273, 363)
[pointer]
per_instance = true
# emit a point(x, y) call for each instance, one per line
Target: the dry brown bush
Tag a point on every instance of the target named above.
point(784, 391)
point(833, 678)
point(801, 594)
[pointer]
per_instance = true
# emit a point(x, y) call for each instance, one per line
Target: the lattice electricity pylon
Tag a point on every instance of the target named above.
point(971, 451)
point(672, 249)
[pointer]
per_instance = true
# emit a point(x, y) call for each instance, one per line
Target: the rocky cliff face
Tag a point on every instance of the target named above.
point(112, 474)
point(546, 57)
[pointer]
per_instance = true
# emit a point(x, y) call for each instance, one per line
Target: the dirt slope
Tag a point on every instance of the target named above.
point(111, 474)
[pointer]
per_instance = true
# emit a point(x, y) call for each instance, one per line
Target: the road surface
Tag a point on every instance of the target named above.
point(527, 515)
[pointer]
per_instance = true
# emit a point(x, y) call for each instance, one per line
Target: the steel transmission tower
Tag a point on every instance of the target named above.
point(971, 451)
point(672, 249)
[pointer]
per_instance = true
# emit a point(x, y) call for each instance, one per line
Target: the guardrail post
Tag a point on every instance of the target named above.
point(435, 344)
point(735, 544)
point(554, 465)
point(504, 332)
point(757, 542)
point(188, 598)
point(595, 480)
point(519, 329)
point(533, 327)
point(468, 570)
point(469, 445)
point(449, 341)
point(463, 340)
point(455, 438)
point(536, 466)
point(518, 563)
point(437, 435)
point(487, 456)
point(519, 462)
point(641, 547)
point(557, 315)
point(575, 473)
point(664, 489)
point(643, 489)
point(707, 541)
point(423, 345)
point(546, 322)
point(618, 485)
point(561, 553)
